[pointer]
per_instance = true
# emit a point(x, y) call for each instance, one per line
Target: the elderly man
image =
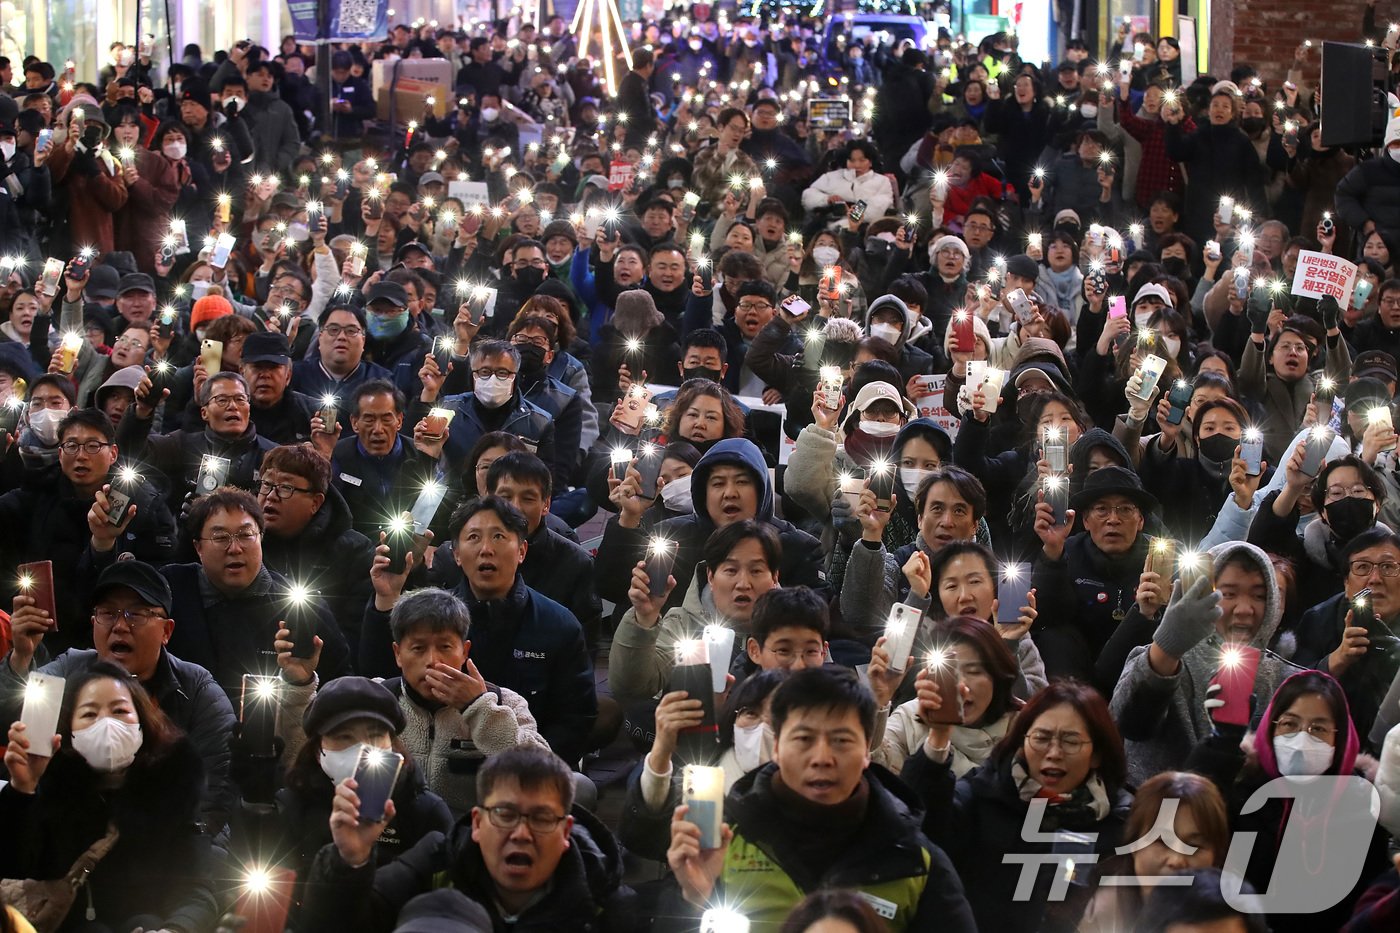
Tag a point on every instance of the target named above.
point(279, 413)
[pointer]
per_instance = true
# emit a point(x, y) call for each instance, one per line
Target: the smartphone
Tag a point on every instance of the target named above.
point(1055, 450)
point(794, 305)
point(300, 618)
point(485, 299)
point(374, 204)
point(943, 666)
point(78, 265)
point(857, 211)
point(1177, 400)
point(259, 706)
point(620, 459)
point(1319, 442)
point(661, 558)
point(375, 777)
point(1020, 306)
point(213, 473)
point(1252, 451)
point(649, 460)
point(1226, 211)
point(223, 248)
point(167, 315)
point(264, 899)
point(1328, 225)
point(162, 378)
point(44, 140)
point(1117, 307)
point(882, 485)
point(901, 626)
point(120, 491)
point(1213, 250)
point(36, 582)
point(43, 702)
point(50, 278)
point(1361, 294)
point(634, 408)
point(1239, 665)
point(702, 791)
point(698, 684)
point(211, 354)
point(1013, 590)
point(1362, 608)
point(399, 536)
point(964, 336)
point(1056, 492)
point(829, 286)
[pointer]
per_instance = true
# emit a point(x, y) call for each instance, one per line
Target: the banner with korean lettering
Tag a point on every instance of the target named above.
point(929, 402)
point(349, 20)
point(1321, 274)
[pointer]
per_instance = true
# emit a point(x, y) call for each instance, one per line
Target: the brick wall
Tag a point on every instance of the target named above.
point(1266, 32)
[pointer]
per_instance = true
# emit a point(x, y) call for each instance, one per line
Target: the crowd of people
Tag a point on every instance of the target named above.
point(979, 528)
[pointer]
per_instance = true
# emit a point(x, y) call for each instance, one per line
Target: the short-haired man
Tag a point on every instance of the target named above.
point(231, 606)
point(535, 339)
point(309, 538)
point(280, 414)
point(131, 625)
point(820, 809)
point(224, 407)
point(340, 365)
point(455, 718)
point(377, 470)
point(528, 855)
point(521, 639)
point(51, 521)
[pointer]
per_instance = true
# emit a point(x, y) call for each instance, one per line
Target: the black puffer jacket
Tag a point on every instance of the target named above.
point(1371, 191)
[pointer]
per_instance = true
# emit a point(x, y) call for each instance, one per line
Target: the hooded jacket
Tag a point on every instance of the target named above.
point(586, 893)
point(1162, 718)
point(622, 548)
point(912, 360)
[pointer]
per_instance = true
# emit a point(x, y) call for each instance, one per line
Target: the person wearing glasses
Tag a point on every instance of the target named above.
point(535, 338)
point(393, 339)
point(1354, 647)
point(225, 406)
point(131, 625)
point(1062, 748)
point(1163, 697)
point(309, 535)
point(1085, 580)
point(232, 608)
point(339, 364)
point(49, 520)
point(532, 857)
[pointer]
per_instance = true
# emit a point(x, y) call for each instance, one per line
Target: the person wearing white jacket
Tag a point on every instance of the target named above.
point(860, 180)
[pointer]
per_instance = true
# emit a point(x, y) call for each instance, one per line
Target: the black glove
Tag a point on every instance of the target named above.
point(1331, 312)
point(85, 164)
point(1258, 310)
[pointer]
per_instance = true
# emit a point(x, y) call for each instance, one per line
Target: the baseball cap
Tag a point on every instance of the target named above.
point(266, 347)
point(391, 292)
point(139, 577)
point(1153, 290)
point(1375, 363)
point(873, 392)
point(136, 282)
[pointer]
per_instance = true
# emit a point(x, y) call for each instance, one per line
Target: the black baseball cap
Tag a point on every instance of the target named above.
point(391, 292)
point(139, 577)
point(136, 282)
point(266, 347)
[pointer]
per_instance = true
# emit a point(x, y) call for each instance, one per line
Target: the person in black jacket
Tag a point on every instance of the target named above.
point(730, 483)
point(49, 519)
point(520, 639)
point(347, 715)
point(118, 763)
point(1022, 123)
point(633, 102)
point(352, 101)
point(528, 853)
point(131, 624)
point(309, 538)
point(377, 470)
point(1219, 158)
point(280, 414)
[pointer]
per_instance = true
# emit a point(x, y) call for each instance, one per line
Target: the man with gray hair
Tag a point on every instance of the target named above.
point(454, 719)
point(494, 404)
point(228, 435)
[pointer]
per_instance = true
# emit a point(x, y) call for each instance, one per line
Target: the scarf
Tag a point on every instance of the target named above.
point(1065, 284)
point(1087, 803)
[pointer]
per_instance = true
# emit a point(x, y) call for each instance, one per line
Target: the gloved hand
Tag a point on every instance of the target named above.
point(1137, 408)
point(1258, 310)
point(1331, 313)
point(1189, 619)
point(1228, 732)
point(843, 518)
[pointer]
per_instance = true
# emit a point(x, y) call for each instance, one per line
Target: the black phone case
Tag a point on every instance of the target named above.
point(400, 543)
point(300, 619)
point(882, 485)
point(374, 785)
point(1178, 399)
point(257, 717)
point(659, 569)
point(695, 680)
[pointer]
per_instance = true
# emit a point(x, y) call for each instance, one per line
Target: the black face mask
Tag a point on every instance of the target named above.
point(531, 278)
point(1253, 125)
point(701, 372)
point(1176, 267)
point(1215, 454)
point(1349, 517)
point(531, 362)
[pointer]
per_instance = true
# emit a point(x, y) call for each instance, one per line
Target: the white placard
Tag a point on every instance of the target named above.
point(1321, 274)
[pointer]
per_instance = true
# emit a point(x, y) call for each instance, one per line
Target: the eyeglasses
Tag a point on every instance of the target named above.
point(1070, 743)
point(129, 342)
point(539, 821)
point(281, 490)
point(811, 656)
point(1364, 568)
point(1103, 512)
point(521, 341)
point(1289, 725)
point(336, 330)
point(107, 618)
point(1391, 301)
point(488, 373)
point(1359, 490)
point(979, 228)
point(285, 289)
point(225, 540)
point(1292, 347)
point(754, 305)
point(228, 401)
point(520, 264)
point(91, 448)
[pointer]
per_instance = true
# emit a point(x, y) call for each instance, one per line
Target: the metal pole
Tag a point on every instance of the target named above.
point(323, 62)
point(169, 39)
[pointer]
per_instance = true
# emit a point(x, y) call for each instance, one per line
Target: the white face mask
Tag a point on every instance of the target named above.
point(1089, 111)
point(174, 151)
point(1301, 754)
point(7, 150)
point(1140, 318)
point(494, 391)
point(198, 290)
point(110, 744)
point(912, 478)
point(676, 495)
point(886, 332)
point(44, 423)
point(826, 255)
point(695, 45)
point(753, 746)
point(1394, 153)
point(340, 765)
point(489, 114)
point(879, 428)
point(1173, 345)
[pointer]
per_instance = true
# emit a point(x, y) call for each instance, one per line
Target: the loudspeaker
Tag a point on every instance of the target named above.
point(1354, 83)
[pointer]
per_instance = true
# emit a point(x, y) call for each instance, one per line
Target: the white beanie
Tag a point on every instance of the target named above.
point(948, 241)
